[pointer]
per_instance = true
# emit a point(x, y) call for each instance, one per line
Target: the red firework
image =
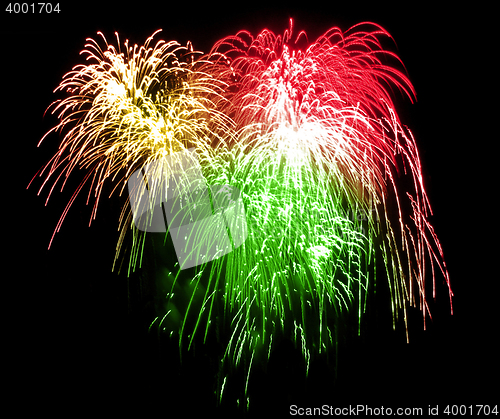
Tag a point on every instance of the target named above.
point(337, 95)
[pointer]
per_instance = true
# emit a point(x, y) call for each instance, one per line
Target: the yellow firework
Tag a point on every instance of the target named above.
point(129, 106)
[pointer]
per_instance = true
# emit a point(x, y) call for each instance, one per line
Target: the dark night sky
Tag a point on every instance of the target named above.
point(69, 312)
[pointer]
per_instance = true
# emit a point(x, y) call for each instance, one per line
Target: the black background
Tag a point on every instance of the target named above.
point(75, 342)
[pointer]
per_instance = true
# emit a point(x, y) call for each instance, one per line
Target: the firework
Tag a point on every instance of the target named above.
point(309, 137)
point(336, 97)
point(319, 139)
point(127, 107)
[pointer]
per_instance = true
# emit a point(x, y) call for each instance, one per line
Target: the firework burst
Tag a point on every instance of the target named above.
point(127, 107)
point(308, 135)
point(335, 96)
point(318, 139)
